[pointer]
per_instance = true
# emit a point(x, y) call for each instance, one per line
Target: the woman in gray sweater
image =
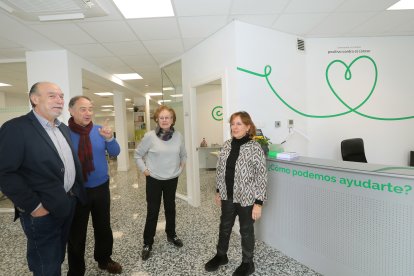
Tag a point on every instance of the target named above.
point(161, 157)
point(241, 190)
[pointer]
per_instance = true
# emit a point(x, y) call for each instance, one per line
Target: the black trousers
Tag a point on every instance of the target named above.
point(229, 211)
point(155, 189)
point(98, 205)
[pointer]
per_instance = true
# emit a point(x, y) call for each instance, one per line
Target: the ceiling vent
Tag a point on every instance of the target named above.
point(301, 44)
point(52, 10)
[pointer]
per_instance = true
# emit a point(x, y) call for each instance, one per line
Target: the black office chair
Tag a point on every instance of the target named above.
point(353, 150)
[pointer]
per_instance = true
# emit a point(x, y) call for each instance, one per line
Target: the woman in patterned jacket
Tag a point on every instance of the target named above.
point(241, 190)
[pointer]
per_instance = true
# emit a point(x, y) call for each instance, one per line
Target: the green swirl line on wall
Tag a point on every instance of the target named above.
point(216, 113)
point(348, 76)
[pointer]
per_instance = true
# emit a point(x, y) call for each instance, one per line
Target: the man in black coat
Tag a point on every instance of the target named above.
point(41, 174)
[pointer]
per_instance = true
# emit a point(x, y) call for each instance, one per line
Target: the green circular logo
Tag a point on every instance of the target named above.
point(217, 113)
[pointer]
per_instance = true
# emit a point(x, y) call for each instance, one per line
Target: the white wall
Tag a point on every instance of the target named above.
point(299, 79)
point(210, 60)
point(256, 48)
point(209, 97)
point(386, 141)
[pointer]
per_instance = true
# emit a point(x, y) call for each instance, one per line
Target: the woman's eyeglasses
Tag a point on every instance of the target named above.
point(164, 118)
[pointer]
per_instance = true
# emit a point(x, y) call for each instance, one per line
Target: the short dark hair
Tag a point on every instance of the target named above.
point(161, 108)
point(73, 101)
point(246, 119)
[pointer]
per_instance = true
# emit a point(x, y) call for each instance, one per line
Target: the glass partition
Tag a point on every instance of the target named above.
point(173, 97)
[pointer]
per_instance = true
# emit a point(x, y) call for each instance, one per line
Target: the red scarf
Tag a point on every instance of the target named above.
point(85, 147)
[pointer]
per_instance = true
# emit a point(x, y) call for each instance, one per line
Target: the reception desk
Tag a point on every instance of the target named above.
point(341, 218)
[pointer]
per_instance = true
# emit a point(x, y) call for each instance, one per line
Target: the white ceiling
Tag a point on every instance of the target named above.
point(119, 45)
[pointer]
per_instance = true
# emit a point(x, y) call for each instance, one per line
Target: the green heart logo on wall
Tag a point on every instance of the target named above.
point(347, 77)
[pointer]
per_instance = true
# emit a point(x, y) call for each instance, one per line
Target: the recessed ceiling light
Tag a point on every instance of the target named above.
point(145, 9)
point(130, 76)
point(106, 109)
point(176, 95)
point(169, 88)
point(128, 99)
point(107, 105)
point(4, 84)
point(104, 94)
point(147, 85)
point(58, 17)
point(163, 101)
point(402, 5)
point(154, 94)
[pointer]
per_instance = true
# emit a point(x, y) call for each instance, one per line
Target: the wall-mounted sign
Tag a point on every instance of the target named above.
point(347, 75)
point(217, 113)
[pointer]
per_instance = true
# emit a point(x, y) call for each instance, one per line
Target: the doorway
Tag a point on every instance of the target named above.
point(209, 135)
point(207, 128)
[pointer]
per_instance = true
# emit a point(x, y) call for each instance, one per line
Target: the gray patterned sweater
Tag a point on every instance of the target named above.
point(250, 176)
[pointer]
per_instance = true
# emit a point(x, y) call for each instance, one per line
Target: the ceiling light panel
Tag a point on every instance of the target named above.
point(104, 94)
point(163, 101)
point(145, 9)
point(154, 94)
point(129, 76)
point(402, 5)
point(33, 10)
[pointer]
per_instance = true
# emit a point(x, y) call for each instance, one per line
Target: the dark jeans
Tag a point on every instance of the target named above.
point(155, 189)
point(98, 205)
point(229, 211)
point(46, 241)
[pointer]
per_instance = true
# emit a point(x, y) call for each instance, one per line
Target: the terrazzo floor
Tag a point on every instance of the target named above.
point(197, 227)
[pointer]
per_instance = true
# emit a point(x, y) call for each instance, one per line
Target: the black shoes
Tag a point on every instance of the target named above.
point(145, 252)
point(217, 261)
point(176, 241)
point(244, 269)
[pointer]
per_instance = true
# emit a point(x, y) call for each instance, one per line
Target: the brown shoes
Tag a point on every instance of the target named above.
point(111, 266)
